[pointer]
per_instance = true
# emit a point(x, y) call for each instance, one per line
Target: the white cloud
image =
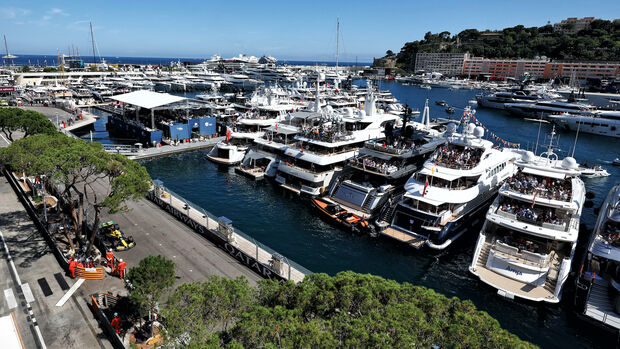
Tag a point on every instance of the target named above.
point(12, 13)
point(57, 11)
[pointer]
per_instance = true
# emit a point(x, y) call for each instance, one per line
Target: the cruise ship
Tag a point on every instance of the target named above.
point(324, 144)
point(383, 166)
point(443, 198)
point(527, 243)
point(597, 295)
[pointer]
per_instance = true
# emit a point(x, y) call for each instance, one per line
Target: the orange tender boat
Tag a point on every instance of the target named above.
point(341, 216)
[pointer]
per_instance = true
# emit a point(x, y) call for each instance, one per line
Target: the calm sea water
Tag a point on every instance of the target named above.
point(286, 223)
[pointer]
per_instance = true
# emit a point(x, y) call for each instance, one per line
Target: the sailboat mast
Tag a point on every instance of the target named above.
point(6, 47)
point(337, 42)
point(92, 39)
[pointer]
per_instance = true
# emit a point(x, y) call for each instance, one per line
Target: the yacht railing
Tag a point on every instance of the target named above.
point(385, 149)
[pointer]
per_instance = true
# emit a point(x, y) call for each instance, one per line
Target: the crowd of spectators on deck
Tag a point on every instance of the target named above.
point(552, 189)
point(611, 233)
point(523, 244)
point(523, 210)
point(399, 143)
point(375, 164)
point(458, 156)
point(324, 133)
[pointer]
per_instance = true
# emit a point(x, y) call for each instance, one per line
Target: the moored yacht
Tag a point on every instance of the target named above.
point(444, 197)
point(263, 158)
point(603, 123)
point(497, 100)
point(326, 143)
point(527, 243)
point(382, 167)
point(597, 295)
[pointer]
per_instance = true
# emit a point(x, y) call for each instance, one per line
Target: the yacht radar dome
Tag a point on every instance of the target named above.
point(569, 163)
point(528, 156)
point(451, 128)
point(479, 132)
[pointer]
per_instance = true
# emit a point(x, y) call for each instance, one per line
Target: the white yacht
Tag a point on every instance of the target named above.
point(443, 199)
point(597, 294)
point(263, 158)
point(546, 108)
point(527, 243)
point(602, 123)
point(382, 167)
point(497, 100)
point(229, 152)
point(324, 144)
point(248, 127)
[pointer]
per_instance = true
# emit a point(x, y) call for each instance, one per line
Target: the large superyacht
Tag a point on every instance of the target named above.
point(383, 166)
point(443, 198)
point(324, 144)
point(597, 296)
point(527, 243)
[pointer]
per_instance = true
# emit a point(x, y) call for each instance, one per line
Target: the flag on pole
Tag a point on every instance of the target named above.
point(228, 136)
point(425, 186)
point(534, 200)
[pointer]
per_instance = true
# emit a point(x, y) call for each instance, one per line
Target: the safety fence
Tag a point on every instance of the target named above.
point(100, 302)
point(32, 212)
point(257, 256)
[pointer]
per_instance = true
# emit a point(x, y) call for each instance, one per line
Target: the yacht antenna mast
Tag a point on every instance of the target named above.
point(92, 40)
point(577, 135)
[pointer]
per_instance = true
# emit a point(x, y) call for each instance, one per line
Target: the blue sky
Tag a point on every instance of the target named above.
point(285, 29)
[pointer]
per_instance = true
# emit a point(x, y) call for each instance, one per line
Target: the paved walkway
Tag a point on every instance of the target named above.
point(57, 116)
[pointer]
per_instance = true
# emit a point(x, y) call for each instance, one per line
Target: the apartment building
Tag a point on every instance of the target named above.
point(444, 63)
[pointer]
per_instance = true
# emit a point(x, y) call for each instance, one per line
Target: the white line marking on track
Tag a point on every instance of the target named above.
point(10, 298)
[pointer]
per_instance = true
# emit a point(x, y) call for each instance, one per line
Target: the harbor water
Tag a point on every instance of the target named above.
point(286, 223)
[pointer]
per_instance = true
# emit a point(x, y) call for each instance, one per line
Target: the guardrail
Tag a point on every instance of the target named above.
point(121, 148)
point(98, 303)
point(35, 217)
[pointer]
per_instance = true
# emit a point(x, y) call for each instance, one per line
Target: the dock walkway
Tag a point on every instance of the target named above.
point(164, 150)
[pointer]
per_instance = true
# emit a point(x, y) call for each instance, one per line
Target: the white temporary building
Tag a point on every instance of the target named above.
point(148, 100)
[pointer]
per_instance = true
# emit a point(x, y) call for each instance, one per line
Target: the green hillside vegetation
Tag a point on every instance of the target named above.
point(348, 310)
point(599, 43)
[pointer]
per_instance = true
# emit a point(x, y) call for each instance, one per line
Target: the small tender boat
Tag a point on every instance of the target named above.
point(592, 170)
point(426, 87)
point(340, 216)
point(616, 162)
point(441, 103)
point(473, 102)
point(450, 110)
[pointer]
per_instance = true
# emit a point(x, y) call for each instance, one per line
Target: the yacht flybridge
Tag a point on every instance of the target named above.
point(526, 245)
point(442, 199)
point(326, 142)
